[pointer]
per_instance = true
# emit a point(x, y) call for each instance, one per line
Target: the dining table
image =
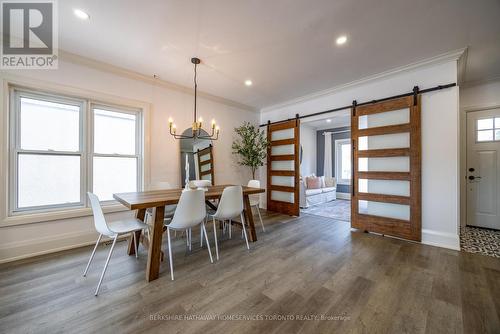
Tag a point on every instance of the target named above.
point(157, 200)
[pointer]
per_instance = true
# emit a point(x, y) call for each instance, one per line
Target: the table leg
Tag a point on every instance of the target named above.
point(141, 214)
point(154, 256)
point(249, 219)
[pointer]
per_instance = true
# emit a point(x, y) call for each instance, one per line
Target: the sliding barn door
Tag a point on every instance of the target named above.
point(283, 167)
point(206, 164)
point(386, 147)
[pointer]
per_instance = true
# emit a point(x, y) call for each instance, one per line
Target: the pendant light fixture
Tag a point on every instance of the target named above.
point(197, 123)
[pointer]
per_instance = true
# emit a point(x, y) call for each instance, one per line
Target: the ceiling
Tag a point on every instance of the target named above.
point(287, 48)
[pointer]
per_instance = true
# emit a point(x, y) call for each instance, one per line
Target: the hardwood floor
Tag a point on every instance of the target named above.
point(301, 268)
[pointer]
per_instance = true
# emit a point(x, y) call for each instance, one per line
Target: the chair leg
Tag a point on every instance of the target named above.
point(260, 218)
point(92, 255)
point(190, 239)
point(201, 233)
point(230, 228)
point(170, 255)
point(135, 243)
point(244, 230)
point(206, 239)
point(106, 265)
point(215, 237)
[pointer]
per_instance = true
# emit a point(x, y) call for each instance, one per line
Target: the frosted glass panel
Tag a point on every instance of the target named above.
point(282, 134)
point(392, 164)
point(283, 165)
point(401, 116)
point(395, 140)
point(206, 167)
point(48, 180)
point(288, 181)
point(385, 187)
point(282, 196)
point(389, 210)
point(207, 177)
point(283, 149)
point(49, 126)
point(204, 157)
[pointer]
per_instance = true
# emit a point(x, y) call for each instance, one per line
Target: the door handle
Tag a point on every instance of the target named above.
point(472, 177)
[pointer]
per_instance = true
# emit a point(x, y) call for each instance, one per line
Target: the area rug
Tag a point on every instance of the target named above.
point(480, 240)
point(339, 209)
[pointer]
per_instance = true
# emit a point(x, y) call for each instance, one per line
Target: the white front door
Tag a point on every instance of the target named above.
point(483, 168)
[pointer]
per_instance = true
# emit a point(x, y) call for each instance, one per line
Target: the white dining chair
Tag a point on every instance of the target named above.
point(230, 206)
point(255, 200)
point(112, 230)
point(190, 212)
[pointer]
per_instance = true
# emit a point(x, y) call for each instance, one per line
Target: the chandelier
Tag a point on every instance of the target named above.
point(197, 123)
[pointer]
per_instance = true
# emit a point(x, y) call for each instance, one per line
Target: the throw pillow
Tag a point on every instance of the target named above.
point(313, 183)
point(330, 182)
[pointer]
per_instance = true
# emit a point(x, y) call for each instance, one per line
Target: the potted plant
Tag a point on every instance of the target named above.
point(250, 146)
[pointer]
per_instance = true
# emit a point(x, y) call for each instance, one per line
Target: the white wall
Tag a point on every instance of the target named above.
point(42, 237)
point(487, 94)
point(440, 146)
point(477, 97)
point(308, 142)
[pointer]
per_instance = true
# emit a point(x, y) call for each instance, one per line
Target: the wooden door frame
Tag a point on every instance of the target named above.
point(411, 229)
point(292, 209)
point(210, 161)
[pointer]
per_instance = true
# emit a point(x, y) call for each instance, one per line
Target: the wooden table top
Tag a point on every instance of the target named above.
point(149, 199)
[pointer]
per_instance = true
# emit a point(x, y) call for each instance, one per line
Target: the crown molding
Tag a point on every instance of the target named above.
point(461, 67)
point(105, 67)
point(454, 55)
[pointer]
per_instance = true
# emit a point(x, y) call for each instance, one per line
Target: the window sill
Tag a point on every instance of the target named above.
point(41, 217)
point(344, 183)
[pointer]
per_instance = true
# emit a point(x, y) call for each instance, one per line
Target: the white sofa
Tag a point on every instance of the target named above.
point(322, 195)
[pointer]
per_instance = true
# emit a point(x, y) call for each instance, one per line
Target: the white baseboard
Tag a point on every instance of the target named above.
point(344, 195)
point(25, 249)
point(441, 239)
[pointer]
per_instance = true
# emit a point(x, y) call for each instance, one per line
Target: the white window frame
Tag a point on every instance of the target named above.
point(338, 161)
point(85, 150)
point(494, 128)
point(138, 142)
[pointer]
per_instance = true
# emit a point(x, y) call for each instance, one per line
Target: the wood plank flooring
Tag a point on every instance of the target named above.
point(300, 269)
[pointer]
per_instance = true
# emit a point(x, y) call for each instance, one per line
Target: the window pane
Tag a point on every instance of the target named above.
point(346, 161)
point(114, 175)
point(497, 123)
point(497, 134)
point(483, 124)
point(485, 135)
point(48, 180)
point(114, 132)
point(49, 126)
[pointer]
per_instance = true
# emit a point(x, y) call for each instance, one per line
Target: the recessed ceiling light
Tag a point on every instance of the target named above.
point(328, 120)
point(81, 14)
point(248, 82)
point(341, 40)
